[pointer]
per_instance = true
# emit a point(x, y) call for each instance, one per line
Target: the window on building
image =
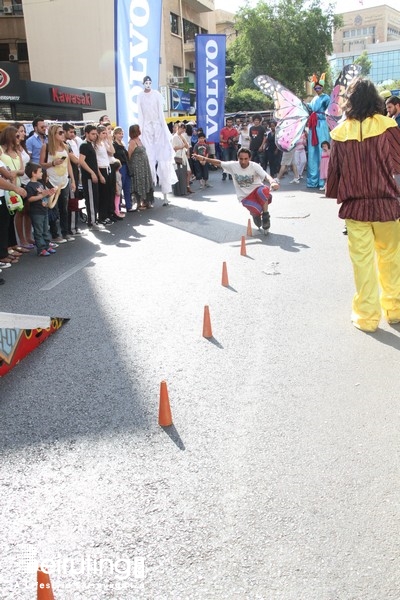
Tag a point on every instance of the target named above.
point(393, 33)
point(190, 30)
point(22, 50)
point(4, 51)
point(17, 6)
point(174, 21)
point(177, 71)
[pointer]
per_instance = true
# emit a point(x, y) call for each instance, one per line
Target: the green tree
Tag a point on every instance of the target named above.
point(365, 63)
point(288, 40)
point(247, 100)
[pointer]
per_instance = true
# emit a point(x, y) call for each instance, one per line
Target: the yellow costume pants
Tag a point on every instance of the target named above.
point(375, 253)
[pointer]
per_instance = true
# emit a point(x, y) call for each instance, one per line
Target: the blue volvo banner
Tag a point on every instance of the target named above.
point(137, 39)
point(210, 84)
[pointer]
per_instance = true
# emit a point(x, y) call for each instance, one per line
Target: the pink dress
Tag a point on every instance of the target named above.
point(323, 166)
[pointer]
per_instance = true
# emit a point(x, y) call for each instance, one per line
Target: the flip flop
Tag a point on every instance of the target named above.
point(21, 249)
point(10, 260)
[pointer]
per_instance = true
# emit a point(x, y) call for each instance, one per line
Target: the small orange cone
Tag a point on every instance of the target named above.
point(225, 280)
point(249, 228)
point(243, 246)
point(207, 331)
point(44, 589)
point(164, 413)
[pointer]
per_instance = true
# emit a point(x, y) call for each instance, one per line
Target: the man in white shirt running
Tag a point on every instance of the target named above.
point(248, 179)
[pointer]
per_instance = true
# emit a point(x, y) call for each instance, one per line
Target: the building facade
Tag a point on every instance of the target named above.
point(374, 30)
point(70, 43)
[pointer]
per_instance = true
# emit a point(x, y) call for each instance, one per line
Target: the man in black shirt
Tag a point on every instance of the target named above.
point(90, 175)
point(256, 133)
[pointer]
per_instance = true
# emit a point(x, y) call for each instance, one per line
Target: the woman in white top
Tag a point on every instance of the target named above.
point(244, 136)
point(54, 157)
point(106, 193)
point(22, 220)
point(181, 147)
point(12, 159)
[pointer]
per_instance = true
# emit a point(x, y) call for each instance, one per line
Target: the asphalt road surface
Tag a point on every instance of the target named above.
point(279, 479)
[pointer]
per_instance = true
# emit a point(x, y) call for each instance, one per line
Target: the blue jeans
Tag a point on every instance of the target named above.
point(60, 215)
point(229, 153)
point(41, 231)
point(126, 186)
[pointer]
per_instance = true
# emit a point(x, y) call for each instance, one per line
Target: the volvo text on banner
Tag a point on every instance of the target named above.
point(210, 84)
point(137, 39)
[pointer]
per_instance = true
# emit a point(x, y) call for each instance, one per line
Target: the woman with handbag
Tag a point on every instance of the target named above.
point(11, 157)
point(181, 147)
point(22, 220)
point(6, 184)
point(54, 157)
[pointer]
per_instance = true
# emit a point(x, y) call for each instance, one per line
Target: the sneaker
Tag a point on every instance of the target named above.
point(53, 245)
point(60, 240)
point(295, 180)
point(5, 265)
point(257, 220)
point(96, 227)
point(51, 250)
point(69, 238)
point(44, 253)
point(266, 222)
point(322, 189)
point(107, 222)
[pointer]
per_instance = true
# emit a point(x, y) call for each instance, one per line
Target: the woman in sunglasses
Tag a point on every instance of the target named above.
point(54, 157)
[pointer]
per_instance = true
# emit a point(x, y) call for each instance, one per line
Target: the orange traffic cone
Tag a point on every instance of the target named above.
point(249, 228)
point(243, 246)
point(164, 413)
point(225, 281)
point(44, 589)
point(207, 331)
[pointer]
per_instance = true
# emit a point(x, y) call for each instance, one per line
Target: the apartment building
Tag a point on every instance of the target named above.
point(70, 44)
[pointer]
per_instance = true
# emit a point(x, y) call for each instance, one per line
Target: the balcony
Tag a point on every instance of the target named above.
point(188, 46)
point(201, 6)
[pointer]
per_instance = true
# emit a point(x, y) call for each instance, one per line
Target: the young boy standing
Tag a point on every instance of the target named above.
point(200, 165)
point(38, 198)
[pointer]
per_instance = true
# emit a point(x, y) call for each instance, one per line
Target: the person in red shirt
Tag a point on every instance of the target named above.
point(228, 140)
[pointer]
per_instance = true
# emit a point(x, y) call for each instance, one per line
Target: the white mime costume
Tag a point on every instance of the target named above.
point(156, 137)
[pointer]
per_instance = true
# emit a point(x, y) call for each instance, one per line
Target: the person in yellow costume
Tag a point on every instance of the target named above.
point(364, 160)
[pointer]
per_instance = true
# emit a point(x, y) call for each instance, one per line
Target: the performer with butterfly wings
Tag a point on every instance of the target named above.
point(318, 131)
point(292, 114)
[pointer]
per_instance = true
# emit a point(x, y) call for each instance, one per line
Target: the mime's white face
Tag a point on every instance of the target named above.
point(147, 85)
